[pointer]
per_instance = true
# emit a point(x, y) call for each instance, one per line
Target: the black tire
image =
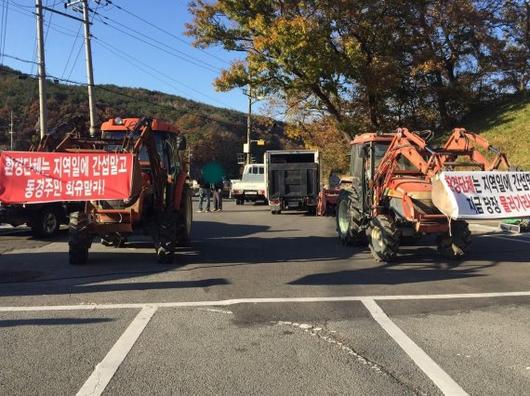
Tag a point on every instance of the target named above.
point(166, 238)
point(164, 256)
point(383, 238)
point(114, 240)
point(45, 223)
point(79, 239)
point(312, 211)
point(455, 246)
point(349, 219)
point(276, 210)
point(185, 219)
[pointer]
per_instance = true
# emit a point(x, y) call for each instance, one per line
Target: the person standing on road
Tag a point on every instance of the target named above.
point(218, 196)
point(204, 194)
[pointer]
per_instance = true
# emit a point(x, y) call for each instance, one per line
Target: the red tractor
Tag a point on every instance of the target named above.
point(160, 202)
point(390, 199)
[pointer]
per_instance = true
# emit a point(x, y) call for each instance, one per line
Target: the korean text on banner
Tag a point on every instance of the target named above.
point(34, 177)
point(482, 195)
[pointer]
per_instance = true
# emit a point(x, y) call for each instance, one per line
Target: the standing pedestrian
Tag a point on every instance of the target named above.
point(218, 196)
point(204, 194)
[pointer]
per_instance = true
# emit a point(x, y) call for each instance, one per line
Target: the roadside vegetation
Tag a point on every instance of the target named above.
point(505, 124)
point(213, 133)
point(358, 66)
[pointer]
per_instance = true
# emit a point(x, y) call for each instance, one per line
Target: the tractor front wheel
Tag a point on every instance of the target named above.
point(79, 239)
point(383, 238)
point(349, 219)
point(455, 245)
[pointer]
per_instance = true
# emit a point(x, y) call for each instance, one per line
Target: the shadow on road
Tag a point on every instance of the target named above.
point(52, 322)
point(424, 264)
point(389, 275)
point(81, 285)
point(218, 244)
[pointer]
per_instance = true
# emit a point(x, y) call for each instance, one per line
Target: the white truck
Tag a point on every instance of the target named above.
point(292, 179)
point(251, 187)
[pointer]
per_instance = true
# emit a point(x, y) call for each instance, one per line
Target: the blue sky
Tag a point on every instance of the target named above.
point(118, 58)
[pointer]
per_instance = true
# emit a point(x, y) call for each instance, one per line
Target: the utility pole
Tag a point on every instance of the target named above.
point(89, 70)
point(249, 122)
point(42, 69)
point(88, 60)
point(11, 132)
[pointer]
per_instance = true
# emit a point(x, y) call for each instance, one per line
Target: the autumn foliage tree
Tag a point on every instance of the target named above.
point(371, 65)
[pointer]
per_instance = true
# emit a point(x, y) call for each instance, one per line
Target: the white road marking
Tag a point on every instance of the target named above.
point(499, 234)
point(272, 300)
point(105, 370)
point(485, 227)
point(216, 310)
point(440, 378)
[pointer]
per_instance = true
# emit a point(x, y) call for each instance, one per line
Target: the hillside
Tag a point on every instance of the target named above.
point(214, 134)
point(507, 126)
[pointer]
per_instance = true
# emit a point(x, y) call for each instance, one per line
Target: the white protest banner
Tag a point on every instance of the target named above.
point(482, 195)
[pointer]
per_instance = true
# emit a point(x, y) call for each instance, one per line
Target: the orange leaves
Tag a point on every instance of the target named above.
point(426, 67)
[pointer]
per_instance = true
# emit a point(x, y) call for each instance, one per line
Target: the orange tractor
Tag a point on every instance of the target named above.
point(160, 201)
point(390, 199)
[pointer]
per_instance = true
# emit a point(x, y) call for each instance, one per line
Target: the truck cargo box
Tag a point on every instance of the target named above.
point(292, 179)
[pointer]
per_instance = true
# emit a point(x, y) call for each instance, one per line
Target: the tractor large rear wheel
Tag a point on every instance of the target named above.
point(349, 218)
point(456, 245)
point(383, 238)
point(79, 239)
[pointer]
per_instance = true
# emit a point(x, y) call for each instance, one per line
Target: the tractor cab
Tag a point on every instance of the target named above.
point(169, 143)
point(367, 152)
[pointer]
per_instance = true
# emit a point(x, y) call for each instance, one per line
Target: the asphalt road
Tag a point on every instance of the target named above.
point(264, 304)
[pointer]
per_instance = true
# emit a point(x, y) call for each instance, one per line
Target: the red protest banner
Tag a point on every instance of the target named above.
point(34, 177)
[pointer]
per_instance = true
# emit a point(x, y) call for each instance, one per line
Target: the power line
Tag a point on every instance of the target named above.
point(49, 21)
point(22, 10)
point(22, 5)
point(72, 51)
point(3, 54)
point(144, 67)
point(150, 70)
point(155, 26)
point(75, 60)
point(135, 98)
point(78, 51)
point(157, 44)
